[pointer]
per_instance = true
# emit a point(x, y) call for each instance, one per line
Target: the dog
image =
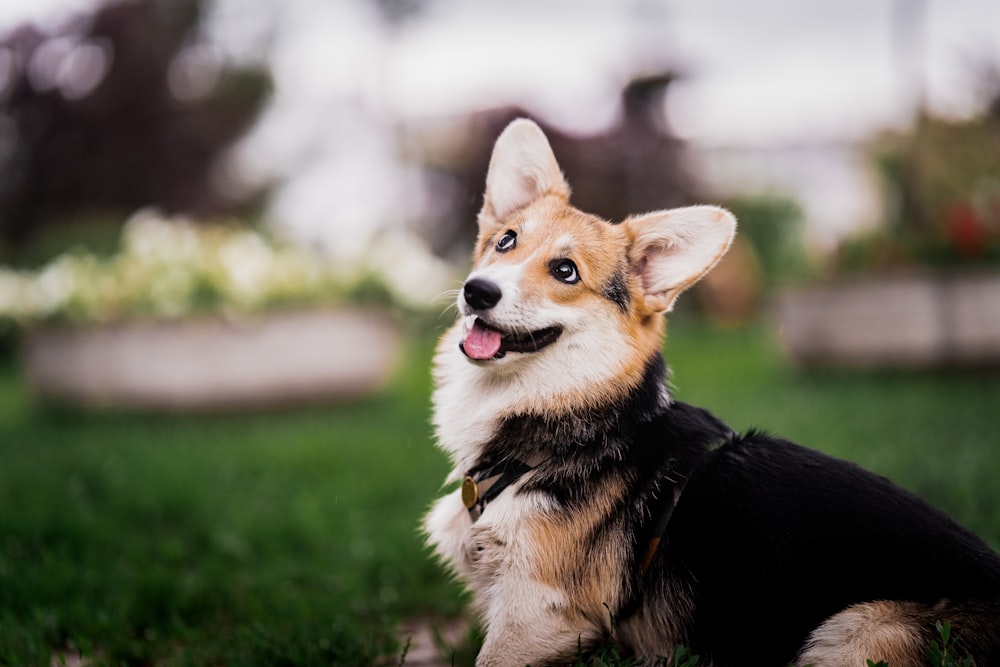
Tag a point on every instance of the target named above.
point(594, 507)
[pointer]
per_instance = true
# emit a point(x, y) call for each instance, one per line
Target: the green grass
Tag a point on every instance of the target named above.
point(291, 538)
point(284, 538)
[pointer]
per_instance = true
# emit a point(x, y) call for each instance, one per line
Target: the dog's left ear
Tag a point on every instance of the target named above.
point(671, 250)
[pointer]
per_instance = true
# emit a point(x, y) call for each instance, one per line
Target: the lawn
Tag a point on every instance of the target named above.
point(290, 538)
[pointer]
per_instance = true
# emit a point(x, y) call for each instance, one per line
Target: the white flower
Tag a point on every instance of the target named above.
point(169, 268)
point(248, 263)
point(55, 285)
point(151, 238)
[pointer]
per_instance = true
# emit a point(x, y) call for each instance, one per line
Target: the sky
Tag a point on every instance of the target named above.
point(763, 75)
point(755, 72)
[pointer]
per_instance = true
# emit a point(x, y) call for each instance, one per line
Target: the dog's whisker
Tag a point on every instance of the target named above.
point(450, 299)
point(447, 295)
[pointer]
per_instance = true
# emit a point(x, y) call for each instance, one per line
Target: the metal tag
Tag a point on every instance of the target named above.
point(470, 492)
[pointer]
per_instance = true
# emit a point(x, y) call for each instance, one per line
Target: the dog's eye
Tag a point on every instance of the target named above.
point(507, 241)
point(564, 270)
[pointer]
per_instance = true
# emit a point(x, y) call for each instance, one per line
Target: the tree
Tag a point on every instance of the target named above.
point(95, 117)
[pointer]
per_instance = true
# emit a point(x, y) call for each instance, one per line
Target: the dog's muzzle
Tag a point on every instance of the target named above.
point(484, 341)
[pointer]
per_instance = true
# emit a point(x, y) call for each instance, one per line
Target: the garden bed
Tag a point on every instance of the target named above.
point(900, 320)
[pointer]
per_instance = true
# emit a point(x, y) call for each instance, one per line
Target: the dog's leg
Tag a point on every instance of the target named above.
point(528, 621)
point(892, 632)
point(542, 599)
point(528, 624)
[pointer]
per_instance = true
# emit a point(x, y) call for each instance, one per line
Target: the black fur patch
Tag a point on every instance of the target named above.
point(616, 291)
point(776, 538)
point(637, 437)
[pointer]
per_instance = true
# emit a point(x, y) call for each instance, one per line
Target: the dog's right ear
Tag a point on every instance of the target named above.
point(671, 250)
point(522, 169)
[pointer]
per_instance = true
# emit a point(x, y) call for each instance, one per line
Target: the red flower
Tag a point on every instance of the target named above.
point(965, 230)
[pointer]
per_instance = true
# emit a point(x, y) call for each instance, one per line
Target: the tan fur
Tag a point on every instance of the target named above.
point(592, 577)
point(886, 631)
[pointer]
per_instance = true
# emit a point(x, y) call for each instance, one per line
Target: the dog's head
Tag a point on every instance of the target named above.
point(561, 298)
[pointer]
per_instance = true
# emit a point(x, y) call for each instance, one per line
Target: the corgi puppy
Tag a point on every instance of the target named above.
point(593, 506)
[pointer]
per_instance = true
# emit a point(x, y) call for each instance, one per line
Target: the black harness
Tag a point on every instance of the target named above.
point(658, 527)
point(484, 483)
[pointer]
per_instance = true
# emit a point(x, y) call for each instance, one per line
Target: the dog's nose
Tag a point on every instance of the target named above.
point(481, 294)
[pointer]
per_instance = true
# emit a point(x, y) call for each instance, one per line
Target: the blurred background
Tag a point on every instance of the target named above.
point(854, 138)
point(216, 206)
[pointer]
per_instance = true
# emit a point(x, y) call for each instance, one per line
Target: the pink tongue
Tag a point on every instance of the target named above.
point(482, 343)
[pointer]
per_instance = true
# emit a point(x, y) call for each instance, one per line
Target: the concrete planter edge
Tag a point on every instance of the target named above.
point(212, 363)
point(903, 320)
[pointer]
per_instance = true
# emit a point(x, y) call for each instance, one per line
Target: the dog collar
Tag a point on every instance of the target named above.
point(483, 484)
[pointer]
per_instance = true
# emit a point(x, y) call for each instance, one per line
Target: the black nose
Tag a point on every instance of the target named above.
point(482, 294)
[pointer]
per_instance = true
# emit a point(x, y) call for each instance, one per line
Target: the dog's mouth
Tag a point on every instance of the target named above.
point(484, 342)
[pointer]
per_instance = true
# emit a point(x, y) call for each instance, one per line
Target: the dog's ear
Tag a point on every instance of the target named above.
point(522, 169)
point(671, 250)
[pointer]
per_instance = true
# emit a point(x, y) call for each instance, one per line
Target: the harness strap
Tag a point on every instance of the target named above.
point(658, 528)
point(480, 486)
